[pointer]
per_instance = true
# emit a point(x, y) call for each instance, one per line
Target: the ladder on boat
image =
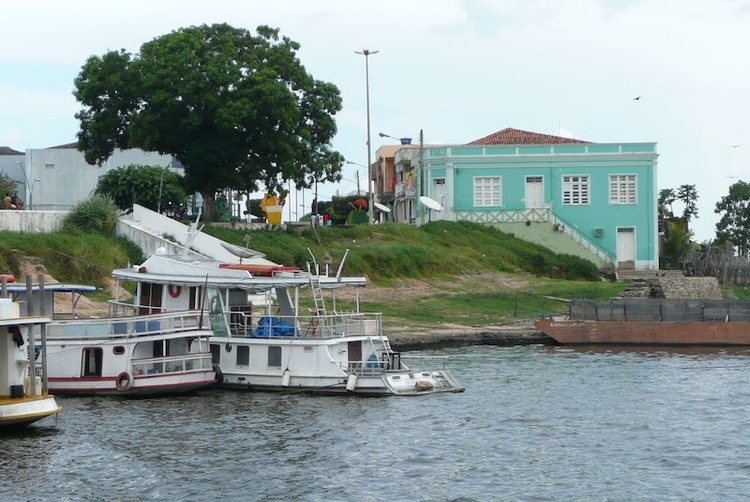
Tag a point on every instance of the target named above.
point(319, 315)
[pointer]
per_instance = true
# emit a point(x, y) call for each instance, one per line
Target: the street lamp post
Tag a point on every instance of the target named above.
point(31, 194)
point(367, 53)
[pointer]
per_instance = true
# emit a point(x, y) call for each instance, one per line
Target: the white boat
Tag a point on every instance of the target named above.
point(132, 352)
point(23, 398)
point(267, 337)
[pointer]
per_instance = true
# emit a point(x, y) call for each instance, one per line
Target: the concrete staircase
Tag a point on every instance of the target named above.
point(629, 274)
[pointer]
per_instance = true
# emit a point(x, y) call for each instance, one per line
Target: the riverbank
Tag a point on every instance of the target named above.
point(521, 333)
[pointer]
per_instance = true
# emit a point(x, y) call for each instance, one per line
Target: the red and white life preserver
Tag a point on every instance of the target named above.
point(124, 381)
point(174, 291)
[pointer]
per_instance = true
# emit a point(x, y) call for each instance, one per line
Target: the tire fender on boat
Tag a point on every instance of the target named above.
point(219, 374)
point(124, 381)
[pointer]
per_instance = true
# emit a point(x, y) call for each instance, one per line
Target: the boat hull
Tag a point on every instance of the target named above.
point(363, 365)
point(143, 385)
point(711, 333)
point(19, 412)
point(401, 383)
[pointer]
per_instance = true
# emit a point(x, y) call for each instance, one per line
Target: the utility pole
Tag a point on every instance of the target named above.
point(366, 53)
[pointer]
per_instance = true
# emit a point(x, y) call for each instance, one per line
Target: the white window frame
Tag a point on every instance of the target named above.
point(623, 189)
point(576, 189)
point(488, 191)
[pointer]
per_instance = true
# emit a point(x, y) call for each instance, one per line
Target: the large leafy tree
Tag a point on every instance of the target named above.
point(238, 110)
point(734, 225)
point(154, 187)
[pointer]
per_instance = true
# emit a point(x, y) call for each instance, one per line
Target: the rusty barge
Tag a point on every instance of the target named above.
point(651, 322)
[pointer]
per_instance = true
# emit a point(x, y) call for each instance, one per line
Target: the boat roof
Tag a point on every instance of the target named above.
point(22, 321)
point(197, 271)
point(54, 287)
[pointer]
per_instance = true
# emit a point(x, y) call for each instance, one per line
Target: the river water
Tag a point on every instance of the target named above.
point(536, 423)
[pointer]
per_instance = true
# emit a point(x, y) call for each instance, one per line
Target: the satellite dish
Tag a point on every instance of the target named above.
point(242, 252)
point(431, 203)
point(383, 208)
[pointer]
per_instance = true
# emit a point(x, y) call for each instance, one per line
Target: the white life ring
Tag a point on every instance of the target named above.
point(124, 381)
point(174, 291)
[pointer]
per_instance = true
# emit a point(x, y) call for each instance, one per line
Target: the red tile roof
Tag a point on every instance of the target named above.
point(510, 136)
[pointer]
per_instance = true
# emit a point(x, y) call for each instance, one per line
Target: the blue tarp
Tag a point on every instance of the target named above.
point(269, 327)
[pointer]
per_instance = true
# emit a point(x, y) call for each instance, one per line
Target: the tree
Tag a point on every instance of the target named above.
point(688, 195)
point(144, 185)
point(734, 225)
point(8, 185)
point(237, 110)
point(676, 245)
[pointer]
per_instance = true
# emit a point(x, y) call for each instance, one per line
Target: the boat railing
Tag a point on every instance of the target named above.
point(387, 362)
point(124, 309)
point(171, 322)
point(424, 362)
point(171, 364)
point(321, 326)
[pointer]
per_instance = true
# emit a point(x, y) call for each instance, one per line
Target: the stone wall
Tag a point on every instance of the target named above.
point(686, 288)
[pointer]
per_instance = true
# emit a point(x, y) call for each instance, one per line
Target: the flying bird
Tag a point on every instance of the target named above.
point(735, 146)
point(637, 98)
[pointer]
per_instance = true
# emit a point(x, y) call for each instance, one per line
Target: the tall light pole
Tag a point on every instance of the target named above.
point(367, 53)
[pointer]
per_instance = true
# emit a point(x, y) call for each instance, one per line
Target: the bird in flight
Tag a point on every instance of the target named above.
point(735, 146)
point(637, 98)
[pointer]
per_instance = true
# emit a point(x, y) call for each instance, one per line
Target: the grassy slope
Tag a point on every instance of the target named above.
point(443, 272)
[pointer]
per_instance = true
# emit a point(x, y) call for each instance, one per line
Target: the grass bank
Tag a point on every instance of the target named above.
point(440, 273)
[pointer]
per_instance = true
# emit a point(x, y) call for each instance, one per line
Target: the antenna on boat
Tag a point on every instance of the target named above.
point(341, 266)
point(315, 263)
point(193, 232)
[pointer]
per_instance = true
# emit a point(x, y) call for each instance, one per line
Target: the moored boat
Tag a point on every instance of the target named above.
point(132, 352)
point(277, 332)
point(23, 396)
point(651, 322)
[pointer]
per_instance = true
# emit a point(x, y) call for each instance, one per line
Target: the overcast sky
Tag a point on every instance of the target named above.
point(458, 69)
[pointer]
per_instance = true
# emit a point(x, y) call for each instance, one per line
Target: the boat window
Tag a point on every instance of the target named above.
point(150, 298)
point(243, 355)
point(118, 350)
point(274, 357)
point(92, 361)
point(158, 348)
point(216, 312)
point(215, 353)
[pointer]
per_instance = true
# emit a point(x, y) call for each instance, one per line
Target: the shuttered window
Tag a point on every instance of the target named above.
point(487, 191)
point(575, 190)
point(622, 189)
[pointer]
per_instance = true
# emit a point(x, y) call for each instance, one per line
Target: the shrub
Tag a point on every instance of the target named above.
point(95, 215)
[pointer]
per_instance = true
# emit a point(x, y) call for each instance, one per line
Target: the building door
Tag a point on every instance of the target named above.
point(626, 247)
point(534, 192)
point(438, 191)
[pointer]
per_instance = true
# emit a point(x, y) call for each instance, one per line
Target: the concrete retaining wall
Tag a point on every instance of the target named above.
point(33, 222)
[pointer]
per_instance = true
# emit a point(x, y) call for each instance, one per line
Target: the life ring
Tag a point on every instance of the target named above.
point(219, 374)
point(174, 291)
point(124, 381)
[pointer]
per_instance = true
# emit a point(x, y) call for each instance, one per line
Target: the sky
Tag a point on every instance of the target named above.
point(456, 69)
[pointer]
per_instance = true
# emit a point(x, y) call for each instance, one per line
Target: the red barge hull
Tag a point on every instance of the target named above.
point(715, 333)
